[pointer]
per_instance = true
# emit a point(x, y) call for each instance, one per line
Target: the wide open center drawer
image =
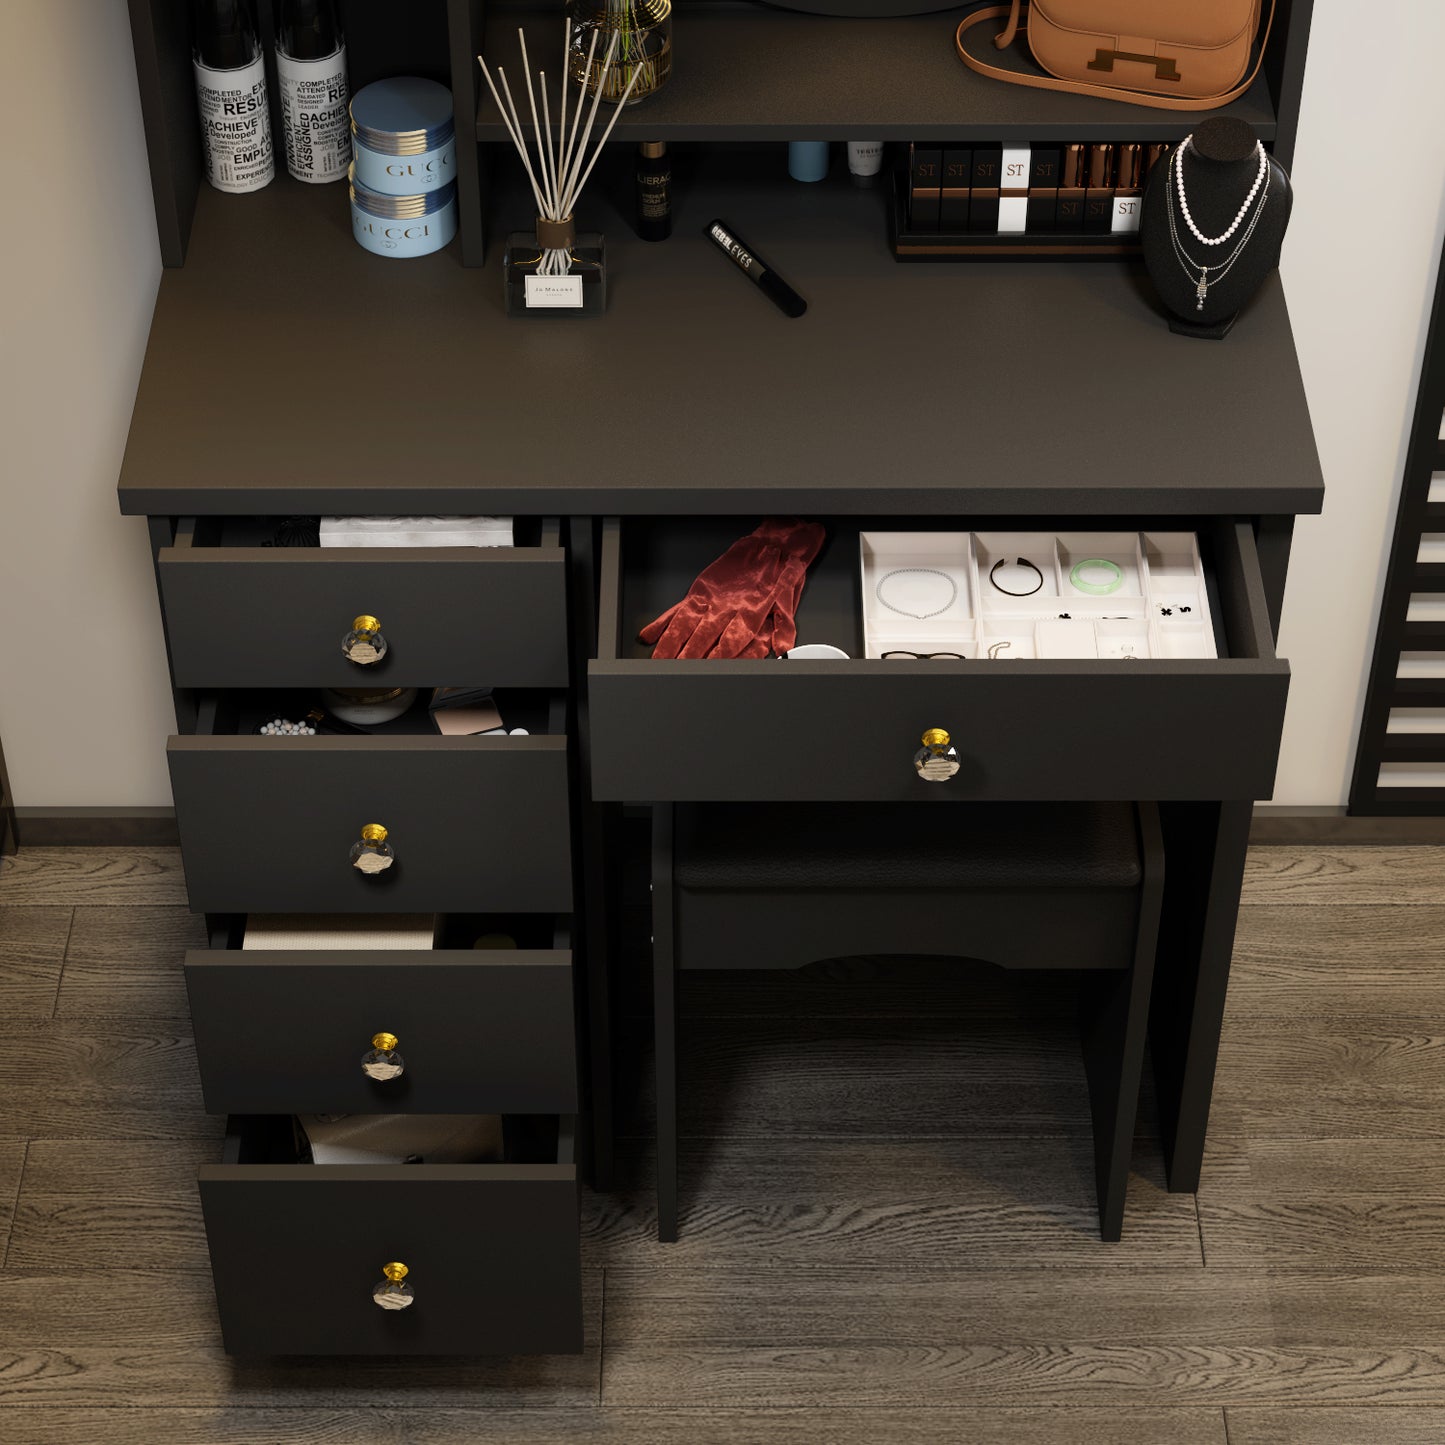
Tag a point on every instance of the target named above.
point(475, 823)
point(492, 1251)
point(479, 1031)
point(1097, 729)
point(242, 615)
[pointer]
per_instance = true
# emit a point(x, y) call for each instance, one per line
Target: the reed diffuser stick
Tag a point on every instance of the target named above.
point(616, 115)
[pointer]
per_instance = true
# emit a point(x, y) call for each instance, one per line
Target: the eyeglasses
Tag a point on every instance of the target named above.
point(926, 656)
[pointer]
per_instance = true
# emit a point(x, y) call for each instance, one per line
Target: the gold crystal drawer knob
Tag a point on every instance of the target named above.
point(381, 1061)
point(372, 854)
point(394, 1293)
point(937, 760)
point(364, 644)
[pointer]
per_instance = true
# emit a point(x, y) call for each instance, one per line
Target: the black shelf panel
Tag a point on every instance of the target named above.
point(1413, 748)
point(288, 371)
point(1424, 636)
point(748, 73)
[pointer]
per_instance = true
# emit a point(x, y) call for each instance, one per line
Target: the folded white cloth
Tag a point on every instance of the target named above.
point(416, 531)
point(340, 930)
point(394, 1138)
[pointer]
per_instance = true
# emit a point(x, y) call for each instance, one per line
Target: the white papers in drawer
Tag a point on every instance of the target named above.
point(333, 931)
point(416, 531)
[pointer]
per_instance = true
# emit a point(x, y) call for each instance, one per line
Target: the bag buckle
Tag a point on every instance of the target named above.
point(1164, 67)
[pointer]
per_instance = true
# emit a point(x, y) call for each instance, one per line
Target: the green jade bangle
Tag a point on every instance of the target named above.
point(1097, 589)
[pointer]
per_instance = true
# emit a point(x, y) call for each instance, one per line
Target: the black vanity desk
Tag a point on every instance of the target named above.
point(290, 372)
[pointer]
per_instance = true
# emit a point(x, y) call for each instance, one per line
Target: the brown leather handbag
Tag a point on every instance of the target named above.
point(1145, 52)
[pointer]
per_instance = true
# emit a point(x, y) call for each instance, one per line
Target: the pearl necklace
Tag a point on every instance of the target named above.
point(1259, 179)
point(1189, 265)
point(926, 571)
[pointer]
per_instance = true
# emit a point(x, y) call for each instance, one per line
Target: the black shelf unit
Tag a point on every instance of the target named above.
point(1395, 633)
point(746, 72)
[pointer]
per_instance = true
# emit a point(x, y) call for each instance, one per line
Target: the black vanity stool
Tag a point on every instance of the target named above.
point(1022, 886)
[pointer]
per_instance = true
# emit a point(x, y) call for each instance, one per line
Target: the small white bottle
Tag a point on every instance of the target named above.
point(231, 93)
point(311, 68)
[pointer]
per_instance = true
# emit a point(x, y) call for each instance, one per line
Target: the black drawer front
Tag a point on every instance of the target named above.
point(493, 1254)
point(1047, 732)
point(267, 824)
point(479, 1032)
point(848, 730)
point(450, 616)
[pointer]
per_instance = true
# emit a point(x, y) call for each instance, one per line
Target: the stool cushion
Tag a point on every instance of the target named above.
point(873, 846)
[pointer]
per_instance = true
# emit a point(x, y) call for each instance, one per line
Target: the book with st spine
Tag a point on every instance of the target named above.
point(1013, 192)
point(957, 178)
point(925, 176)
point(1044, 164)
point(1099, 196)
point(983, 197)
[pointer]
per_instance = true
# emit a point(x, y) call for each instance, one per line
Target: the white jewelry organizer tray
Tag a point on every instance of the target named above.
point(949, 592)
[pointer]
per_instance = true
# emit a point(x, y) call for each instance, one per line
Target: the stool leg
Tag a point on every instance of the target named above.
point(664, 1023)
point(1115, 1024)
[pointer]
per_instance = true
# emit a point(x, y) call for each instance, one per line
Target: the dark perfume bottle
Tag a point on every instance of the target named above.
point(308, 29)
point(311, 69)
point(654, 191)
point(231, 95)
point(226, 34)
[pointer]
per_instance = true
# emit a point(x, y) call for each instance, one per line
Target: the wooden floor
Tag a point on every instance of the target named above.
point(888, 1231)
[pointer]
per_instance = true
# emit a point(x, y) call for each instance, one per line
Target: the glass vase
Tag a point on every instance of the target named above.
point(577, 288)
point(643, 30)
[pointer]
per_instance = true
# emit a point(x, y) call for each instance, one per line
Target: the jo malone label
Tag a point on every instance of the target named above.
point(553, 291)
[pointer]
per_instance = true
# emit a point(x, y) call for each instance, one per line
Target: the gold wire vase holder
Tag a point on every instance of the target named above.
point(643, 58)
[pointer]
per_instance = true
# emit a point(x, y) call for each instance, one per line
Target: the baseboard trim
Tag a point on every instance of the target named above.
point(97, 827)
point(1283, 827)
point(1272, 827)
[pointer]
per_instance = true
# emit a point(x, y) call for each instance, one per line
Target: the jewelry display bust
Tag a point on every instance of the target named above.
point(1219, 186)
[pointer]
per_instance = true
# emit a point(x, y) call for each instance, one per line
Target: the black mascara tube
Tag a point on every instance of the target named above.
point(768, 281)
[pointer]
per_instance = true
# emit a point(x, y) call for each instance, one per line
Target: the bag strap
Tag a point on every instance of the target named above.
point(1005, 38)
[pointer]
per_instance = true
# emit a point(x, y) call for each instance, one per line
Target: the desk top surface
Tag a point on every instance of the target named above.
point(288, 370)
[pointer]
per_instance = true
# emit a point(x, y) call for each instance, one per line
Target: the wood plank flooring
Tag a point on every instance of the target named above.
point(888, 1221)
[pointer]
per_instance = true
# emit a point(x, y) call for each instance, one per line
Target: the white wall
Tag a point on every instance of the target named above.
point(84, 701)
point(1359, 271)
point(84, 706)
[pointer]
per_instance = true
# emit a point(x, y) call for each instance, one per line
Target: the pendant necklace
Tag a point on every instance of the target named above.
point(1212, 275)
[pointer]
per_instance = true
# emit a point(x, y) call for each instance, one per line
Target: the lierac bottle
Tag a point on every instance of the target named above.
point(231, 92)
point(311, 68)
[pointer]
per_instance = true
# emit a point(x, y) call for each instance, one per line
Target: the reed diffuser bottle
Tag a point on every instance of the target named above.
point(554, 269)
point(643, 59)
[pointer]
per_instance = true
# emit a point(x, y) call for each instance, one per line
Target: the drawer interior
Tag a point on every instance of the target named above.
point(268, 532)
point(659, 558)
point(242, 712)
point(278, 1140)
point(530, 931)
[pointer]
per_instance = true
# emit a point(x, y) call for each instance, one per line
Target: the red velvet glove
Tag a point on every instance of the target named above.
point(728, 611)
point(800, 551)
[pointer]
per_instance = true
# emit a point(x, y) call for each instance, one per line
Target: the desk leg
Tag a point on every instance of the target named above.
point(1204, 848)
point(593, 934)
point(664, 1021)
